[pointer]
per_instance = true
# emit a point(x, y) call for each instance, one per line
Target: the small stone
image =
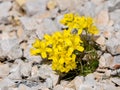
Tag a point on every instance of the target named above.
point(45, 72)
point(78, 81)
point(63, 4)
point(23, 87)
point(113, 48)
point(6, 45)
point(108, 73)
point(15, 72)
point(90, 79)
point(97, 2)
point(25, 69)
point(116, 60)
point(117, 26)
point(21, 2)
point(107, 34)
point(59, 87)
point(49, 83)
point(15, 53)
point(64, 83)
point(4, 36)
point(71, 84)
point(116, 66)
point(23, 45)
point(20, 32)
point(4, 70)
point(116, 80)
point(98, 76)
point(102, 18)
point(28, 23)
point(29, 57)
point(51, 4)
point(34, 70)
point(85, 87)
point(101, 40)
point(115, 15)
point(4, 13)
point(33, 7)
point(106, 60)
point(117, 35)
point(115, 72)
point(44, 89)
point(111, 22)
point(47, 26)
point(6, 82)
point(88, 9)
point(109, 87)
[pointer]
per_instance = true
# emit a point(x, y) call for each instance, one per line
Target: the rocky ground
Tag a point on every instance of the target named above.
point(21, 21)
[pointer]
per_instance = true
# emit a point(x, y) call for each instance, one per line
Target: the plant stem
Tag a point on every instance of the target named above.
point(81, 66)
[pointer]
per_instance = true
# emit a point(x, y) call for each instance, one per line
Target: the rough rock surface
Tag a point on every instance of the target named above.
point(21, 21)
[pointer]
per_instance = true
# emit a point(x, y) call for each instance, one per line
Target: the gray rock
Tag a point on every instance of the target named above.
point(64, 83)
point(109, 87)
point(8, 44)
point(90, 80)
point(85, 87)
point(116, 81)
point(64, 4)
point(117, 26)
point(23, 87)
point(106, 60)
point(29, 56)
point(15, 72)
point(49, 83)
point(115, 15)
point(47, 26)
point(44, 89)
point(29, 23)
point(88, 9)
point(115, 72)
point(4, 11)
point(41, 27)
point(113, 48)
point(25, 69)
point(15, 53)
point(45, 72)
point(116, 60)
point(60, 87)
point(33, 7)
point(78, 81)
point(101, 40)
point(11, 45)
point(4, 70)
point(6, 83)
point(114, 5)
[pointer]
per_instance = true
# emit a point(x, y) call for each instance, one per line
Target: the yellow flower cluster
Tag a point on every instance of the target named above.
point(79, 23)
point(59, 48)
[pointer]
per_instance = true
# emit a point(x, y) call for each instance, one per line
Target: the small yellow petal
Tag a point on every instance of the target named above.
point(36, 44)
point(43, 54)
point(35, 51)
point(80, 48)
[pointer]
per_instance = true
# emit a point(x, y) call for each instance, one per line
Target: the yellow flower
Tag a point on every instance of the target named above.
point(60, 46)
point(35, 51)
point(36, 44)
point(93, 30)
point(40, 48)
point(89, 21)
point(67, 18)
